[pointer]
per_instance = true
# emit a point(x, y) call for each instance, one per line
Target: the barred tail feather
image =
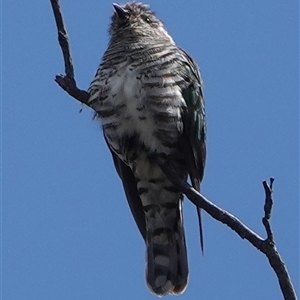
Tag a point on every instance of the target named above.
point(167, 265)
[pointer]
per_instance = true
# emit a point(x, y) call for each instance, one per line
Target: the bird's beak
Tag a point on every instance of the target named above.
point(120, 11)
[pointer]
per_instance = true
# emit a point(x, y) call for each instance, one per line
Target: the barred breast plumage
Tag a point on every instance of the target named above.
point(144, 92)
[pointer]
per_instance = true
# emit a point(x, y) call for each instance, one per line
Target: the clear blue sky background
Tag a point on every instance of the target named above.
point(67, 231)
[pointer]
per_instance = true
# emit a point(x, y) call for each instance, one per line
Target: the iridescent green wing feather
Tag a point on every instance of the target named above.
point(194, 121)
point(194, 135)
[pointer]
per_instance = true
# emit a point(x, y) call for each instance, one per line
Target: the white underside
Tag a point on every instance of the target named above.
point(126, 89)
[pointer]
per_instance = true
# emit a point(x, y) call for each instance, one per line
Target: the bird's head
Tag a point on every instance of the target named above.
point(136, 21)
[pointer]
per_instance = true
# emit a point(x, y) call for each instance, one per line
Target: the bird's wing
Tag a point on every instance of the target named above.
point(194, 121)
point(194, 133)
point(130, 187)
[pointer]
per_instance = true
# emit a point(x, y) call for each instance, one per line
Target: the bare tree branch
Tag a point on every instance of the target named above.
point(266, 246)
point(268, 208)
point(66, 82)
point(270, 248)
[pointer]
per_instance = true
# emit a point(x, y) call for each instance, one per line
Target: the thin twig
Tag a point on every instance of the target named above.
point(266, 246)
point(268, 209)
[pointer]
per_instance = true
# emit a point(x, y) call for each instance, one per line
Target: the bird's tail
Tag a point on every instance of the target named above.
point(167, 265)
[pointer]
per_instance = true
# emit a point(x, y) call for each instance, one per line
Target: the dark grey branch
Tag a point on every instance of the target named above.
point(66, 82)
point(268, 208)
point(270, 250)
point(266, 246)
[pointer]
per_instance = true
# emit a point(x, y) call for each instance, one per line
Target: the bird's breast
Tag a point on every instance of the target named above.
point(126, 97)
point(132, 103)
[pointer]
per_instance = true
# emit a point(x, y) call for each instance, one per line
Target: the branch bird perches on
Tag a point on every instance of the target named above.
point(267, 246)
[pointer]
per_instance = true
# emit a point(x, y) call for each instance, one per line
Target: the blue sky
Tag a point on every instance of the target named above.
point(67, 232)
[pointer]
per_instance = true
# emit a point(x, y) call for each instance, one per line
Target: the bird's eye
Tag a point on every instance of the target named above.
point(147, 19)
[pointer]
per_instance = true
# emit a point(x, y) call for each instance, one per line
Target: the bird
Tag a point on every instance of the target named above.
point(148, 96)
